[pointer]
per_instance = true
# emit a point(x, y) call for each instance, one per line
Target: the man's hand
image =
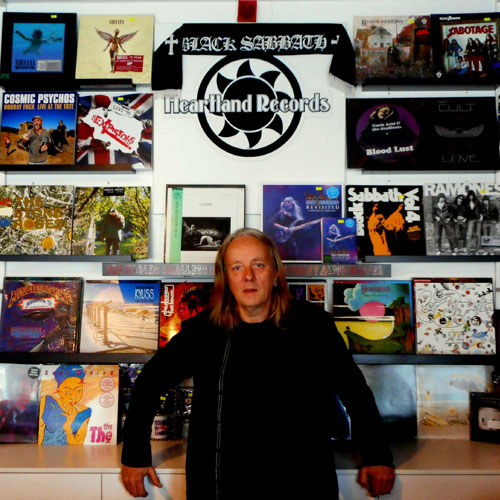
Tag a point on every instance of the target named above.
point(377, 479)
point(133, 479)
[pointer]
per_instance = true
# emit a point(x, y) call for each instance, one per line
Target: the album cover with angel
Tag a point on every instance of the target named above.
point(115, 47)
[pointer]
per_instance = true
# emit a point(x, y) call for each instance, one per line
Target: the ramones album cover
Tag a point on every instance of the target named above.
point(40, 315)
point(389, 219)
point(466, 47)
point(456, 133)
point(393, 49)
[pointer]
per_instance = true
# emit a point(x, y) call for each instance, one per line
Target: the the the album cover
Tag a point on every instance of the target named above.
point(78, 405)
point(115, 46)
point(120, 316)
point(291, 216)
point(312, 291)
point(454, 316)
point(38, 128)
point(389, 219)
point(198, 218)
point(115, 129)
point(466, 47)
point(35, 220)
point(393, 49)
point(40, 315)
point(375, 317)
point(338, 240)
point(443, 399)
point(395, 391)
point(453, 133)
point(462, 218)
point(180, 301)
point(485, 417)
point(19, 402)
point(111, 221)
point(38, 49)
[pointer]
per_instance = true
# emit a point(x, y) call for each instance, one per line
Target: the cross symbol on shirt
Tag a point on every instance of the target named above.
point(171, 42)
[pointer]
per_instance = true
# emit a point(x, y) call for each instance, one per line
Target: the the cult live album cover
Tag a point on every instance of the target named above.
point(455, 133)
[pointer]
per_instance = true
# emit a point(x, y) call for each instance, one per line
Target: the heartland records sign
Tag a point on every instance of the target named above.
point(249, 103)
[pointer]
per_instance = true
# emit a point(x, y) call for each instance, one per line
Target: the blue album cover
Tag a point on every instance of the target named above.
point(339, 240)
point(292, 214)
point(38, 47)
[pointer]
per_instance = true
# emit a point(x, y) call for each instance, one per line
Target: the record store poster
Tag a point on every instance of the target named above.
point(456, 133)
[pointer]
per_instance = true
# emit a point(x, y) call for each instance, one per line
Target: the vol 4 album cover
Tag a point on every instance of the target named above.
point(291, 216)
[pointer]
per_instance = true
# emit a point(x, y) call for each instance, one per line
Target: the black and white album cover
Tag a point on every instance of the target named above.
point(389, 219)
point(456, 133)
point(462, 218)
point(485, 417)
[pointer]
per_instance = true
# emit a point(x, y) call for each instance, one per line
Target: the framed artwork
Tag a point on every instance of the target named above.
point(199, 217)
point(36, 47)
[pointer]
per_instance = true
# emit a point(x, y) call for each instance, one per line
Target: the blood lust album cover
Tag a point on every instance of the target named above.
point(120, 316)
point(40, 315)
point(115, 46)
point(78, 405)
point(375, 317)
point(389, 219)
point(115, 129)
point(38, 49)
point(393, 49)
point(38, 128)
point(455, 133)
point(19, 402)
point(291, 216)
point(36, 220)
point(454, 316)
point(111, 221)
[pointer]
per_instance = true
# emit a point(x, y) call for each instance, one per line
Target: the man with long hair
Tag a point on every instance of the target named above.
point(265, 370)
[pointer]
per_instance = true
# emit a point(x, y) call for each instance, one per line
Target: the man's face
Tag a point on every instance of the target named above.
point(249, 268)
point(37, 122)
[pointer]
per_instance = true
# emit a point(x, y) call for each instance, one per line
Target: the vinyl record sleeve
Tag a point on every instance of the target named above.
point(115, 46)
point(393, 49)
point(291, 216)
point(38, 128)
point(454, 316)
point(443, 399)
point(466, 47)
point(389, 219)
point(114, 129)
point(120, 316)
point(375, 317)
point(339, 245)
point(462, 218)
point(38, 49)
point(40, 314)
point(198, 218)
point(312, 291)
point(36, 220)
point(19, 402)
point(453, 133)
point(82, 396)
point(111, 221)
point(180, 301)
point(485, 417)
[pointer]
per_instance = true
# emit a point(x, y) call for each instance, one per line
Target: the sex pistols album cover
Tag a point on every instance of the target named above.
point(36, 220)
point(36, 47)
point(454, 316)
point(115, 46)
point(38, 128)
point(40, 315)
point(466, 47)
point(422, 134)
point(114, 129)
point(292, 214)
point(389, 219)
point(394, 49)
